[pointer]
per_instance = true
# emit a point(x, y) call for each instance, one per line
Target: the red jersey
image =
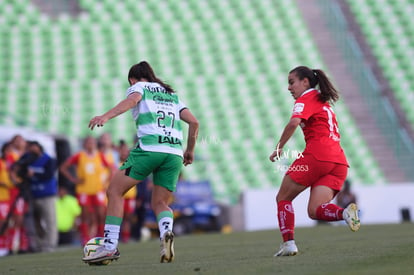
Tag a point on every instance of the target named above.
point(319, 127)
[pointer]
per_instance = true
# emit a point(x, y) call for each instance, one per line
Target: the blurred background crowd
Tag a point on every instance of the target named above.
point(57, 198)
point(39, 211)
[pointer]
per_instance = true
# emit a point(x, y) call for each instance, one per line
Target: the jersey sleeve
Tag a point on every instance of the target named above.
point(4, 175)
point(136, 88)
point(104, 160)
point(303, 109)
point(181, 105)
point(74, 160)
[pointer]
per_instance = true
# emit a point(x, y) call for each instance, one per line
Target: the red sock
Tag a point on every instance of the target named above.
point(24, 240)
point(286, 217)
point(126, 235)
point(12, 236)
point(84, 233)
point(4, 242)
point(8, 239)
point(101, 227)
point(329, 212)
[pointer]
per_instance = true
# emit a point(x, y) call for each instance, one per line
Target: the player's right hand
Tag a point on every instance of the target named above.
point(97, 121)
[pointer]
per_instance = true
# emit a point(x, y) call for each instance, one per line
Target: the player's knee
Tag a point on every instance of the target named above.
point(312, 213)
point(113, 191)
point(280, 197)
point(277, 198)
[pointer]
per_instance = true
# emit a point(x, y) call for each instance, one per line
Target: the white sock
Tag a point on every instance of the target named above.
point(111, 236)
point(164, 225)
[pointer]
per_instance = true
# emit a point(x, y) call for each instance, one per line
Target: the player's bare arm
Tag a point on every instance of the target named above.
point(120, 108)
point(64, 169)
point(286, 135)
point(193, 126)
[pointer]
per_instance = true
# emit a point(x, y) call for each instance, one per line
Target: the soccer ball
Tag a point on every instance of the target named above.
point(90, 248)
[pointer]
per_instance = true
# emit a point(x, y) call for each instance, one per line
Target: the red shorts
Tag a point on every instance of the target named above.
point(14, 192)
point(4, 209)
point(19, 209)
point(21, 206)
point(129, 205)
point(98, 199)
point(309, 171)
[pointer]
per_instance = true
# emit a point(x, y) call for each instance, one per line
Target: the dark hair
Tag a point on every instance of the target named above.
point(318, 77)
point(144, 70)
point(4, 148)
point(35, 143)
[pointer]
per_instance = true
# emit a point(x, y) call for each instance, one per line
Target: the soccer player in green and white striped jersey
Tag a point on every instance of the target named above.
point(158, 113)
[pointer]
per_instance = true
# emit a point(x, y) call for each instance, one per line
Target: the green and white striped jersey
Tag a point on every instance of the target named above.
point(157, 117)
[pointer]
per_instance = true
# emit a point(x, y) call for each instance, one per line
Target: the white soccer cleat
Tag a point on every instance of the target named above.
point(350, 215)
point(288, 248)
point(167, 248)
point(102, 255)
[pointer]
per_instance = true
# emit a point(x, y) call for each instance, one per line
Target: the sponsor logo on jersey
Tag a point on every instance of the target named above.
point(162, 99)
point(298, 108)
point(170, 140)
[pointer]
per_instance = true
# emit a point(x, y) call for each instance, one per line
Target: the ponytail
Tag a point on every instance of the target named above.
point(144, 70)
point(328, 92)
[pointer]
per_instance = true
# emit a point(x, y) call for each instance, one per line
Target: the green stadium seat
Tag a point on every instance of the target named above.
point(225, 59)
point(393, 21)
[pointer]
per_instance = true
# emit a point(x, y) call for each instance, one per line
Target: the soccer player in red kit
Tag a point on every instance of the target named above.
point(322, 166)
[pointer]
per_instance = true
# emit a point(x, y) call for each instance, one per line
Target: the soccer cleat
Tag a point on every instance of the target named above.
point(350, 215)
point(288, 248)
point(102, 255)
point(167, 248)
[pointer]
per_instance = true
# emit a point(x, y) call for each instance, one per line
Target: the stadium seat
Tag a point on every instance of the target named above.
point(388, 26)
point(224, 58)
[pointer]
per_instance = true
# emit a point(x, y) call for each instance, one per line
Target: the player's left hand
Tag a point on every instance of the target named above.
point(275, 155)
point(188, 158)
point(98, 121)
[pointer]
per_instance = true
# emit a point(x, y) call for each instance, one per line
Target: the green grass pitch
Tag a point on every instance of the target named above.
point(324, 249)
